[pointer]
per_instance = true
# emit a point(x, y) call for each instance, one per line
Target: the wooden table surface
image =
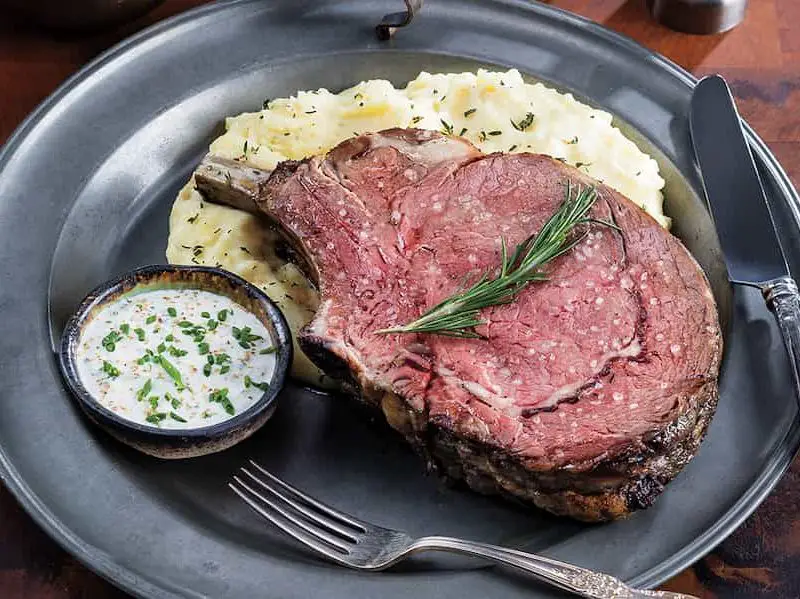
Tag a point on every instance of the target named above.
point(760, 58)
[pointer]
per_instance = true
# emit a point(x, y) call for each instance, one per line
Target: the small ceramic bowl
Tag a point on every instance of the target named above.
point(180, 443)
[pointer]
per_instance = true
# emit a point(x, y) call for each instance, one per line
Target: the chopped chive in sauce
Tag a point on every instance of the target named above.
point(125, 328)
point(153, 401)
point(109, 342)
point(162, 347)
point(202, 348)
point(220, 396)
point(172, 311)
point(269, 350)
point(469, 112)
point(150, 319)
point(110, 369)
point(174, 416)
point(173, 373)
point(207, 370)
point(211, 324)
point(156, 417)
point(205, 314)
point(169, 338)
point(145, 390)
point(173, 401)
point(222, 315)
point(248, 382)
point(184, 324)
point(139, 334)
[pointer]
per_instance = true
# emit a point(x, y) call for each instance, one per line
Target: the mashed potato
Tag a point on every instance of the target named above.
point(495, 111)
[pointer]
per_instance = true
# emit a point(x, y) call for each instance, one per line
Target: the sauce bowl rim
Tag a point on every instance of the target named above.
point(125, 284)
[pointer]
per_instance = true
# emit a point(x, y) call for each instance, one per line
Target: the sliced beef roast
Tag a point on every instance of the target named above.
point(586, 395)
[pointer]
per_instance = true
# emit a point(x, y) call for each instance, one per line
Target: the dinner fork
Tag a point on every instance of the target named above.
point(357, 544)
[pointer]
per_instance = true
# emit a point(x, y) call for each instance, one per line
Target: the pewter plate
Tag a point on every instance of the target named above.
point(86, 186)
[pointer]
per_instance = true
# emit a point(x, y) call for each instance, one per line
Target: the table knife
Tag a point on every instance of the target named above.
point(744, 223)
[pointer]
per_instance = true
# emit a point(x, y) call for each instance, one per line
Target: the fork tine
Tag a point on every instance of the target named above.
point(308, 512)
point(325, 509)
point(304, 533)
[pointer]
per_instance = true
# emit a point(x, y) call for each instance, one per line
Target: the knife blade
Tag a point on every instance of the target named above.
point(744, 223)
point(753, 253)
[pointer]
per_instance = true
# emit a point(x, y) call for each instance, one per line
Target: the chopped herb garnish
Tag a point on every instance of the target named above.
point(245, 335)
point(153, 401)
point(225, 369)
point(185, 324)
point(174, 416)
point(139, 333)
point(248, 382)
point(245, 250)
point(205, 314)
point(572, 141)
point(468, 113)
point(512, 148)
point(211, 324)
point(162, 347)
point(221, 358)
point(156, 417)
point(265, 104)
point(110, 369)
point(177, 353)
point(172, 311)
point(109, 342)
point(173, 401)
point(222, 315)
point(447, 128)
point(125, 328)
point(494, 133)
point(244, 147)
point(150, 319)
point(220, 396)
point(202, 348)
point(171, 371)
point(462, 132)
point(169, 337)
point(210, 359)
point(207, 370)
point(191, 220)
point(524, 123)
point(269, 350)
point(416, 119)
point(145, 390)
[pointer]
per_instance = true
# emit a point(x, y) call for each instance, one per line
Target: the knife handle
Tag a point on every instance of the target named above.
point(783, 299)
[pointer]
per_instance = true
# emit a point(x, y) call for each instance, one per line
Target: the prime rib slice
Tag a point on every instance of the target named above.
point(587, 394)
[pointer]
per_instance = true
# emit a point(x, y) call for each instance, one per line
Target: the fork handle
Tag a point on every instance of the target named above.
point(582, 582)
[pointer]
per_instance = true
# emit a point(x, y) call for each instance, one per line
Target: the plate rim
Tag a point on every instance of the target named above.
point(103, 564)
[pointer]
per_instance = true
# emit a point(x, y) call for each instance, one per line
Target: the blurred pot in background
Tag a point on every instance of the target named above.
point(78, 15)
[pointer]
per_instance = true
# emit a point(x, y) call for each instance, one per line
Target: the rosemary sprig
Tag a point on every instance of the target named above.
point(458, 315)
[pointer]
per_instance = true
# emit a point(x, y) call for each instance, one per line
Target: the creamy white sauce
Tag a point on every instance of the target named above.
point(148, 358)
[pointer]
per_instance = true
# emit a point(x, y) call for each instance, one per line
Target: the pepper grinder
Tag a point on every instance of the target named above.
point(698, 16)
